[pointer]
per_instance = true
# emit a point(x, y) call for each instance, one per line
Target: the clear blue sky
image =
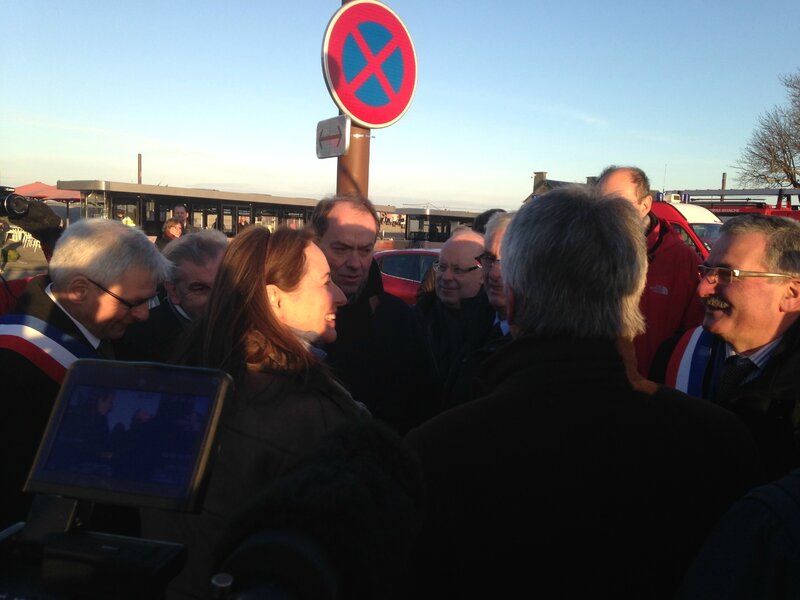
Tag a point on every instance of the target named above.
point(227, 95)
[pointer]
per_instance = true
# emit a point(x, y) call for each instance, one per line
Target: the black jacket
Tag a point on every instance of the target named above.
point(381, 356)
point(769, 404)
point(565, 482)
point(28, 397)
point(453, 334)
point(155, 339)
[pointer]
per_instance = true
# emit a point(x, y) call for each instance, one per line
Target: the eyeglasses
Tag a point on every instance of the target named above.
point(723, 275)
point(442, 268)
point(129, 305)
point(487, 260)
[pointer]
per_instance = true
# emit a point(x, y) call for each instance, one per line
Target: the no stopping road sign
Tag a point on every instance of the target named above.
point(369, 63)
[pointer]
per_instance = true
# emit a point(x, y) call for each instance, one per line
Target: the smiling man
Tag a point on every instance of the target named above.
point(457, 315)
point(101, 278)
point(380, 353)
point(746, 355)
point(459, 387)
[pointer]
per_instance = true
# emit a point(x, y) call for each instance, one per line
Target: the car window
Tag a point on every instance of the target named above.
point(708, 232)
point(427, 261)
point(401, 265)
point(681, 231)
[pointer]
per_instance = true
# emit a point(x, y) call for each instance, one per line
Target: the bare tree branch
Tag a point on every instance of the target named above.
point(772, 155)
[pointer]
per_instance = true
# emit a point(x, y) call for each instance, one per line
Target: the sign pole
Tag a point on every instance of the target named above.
point(370, 68)
point(352, 169)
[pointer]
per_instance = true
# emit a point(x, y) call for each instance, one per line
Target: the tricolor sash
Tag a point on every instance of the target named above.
point(687, 364)
point(46, 346)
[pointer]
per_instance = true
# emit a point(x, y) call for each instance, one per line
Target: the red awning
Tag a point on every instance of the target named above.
point(37, 189)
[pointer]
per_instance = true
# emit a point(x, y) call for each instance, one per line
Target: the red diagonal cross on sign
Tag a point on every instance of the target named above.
point(374, 64)
point(391, 72)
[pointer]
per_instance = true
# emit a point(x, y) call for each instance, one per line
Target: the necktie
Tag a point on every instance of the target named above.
point(734, 371)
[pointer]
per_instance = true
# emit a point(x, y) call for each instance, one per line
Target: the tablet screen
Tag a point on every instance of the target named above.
point(135, 434)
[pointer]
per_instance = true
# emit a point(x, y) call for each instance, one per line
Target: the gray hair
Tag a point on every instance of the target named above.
point(575, 264)
point(102, 250)
point(198, 247)
point(782, 252)
point(497, 222)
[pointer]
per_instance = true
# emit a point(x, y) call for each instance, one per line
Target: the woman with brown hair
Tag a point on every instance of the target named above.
point(272, 298)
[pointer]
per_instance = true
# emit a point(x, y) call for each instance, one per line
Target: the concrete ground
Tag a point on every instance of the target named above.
point(31, 262)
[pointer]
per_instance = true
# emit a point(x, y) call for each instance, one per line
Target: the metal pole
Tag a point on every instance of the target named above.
point(352, 169)
point(724, 180)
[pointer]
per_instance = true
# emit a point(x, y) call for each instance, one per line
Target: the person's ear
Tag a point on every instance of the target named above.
point(172, 292)
point(76, 291)
point(647, 204)
point(790, 301)
point(275, 297)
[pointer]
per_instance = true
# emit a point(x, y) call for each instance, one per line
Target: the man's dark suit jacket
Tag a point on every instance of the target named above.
point(561, 480)
point(27, 399)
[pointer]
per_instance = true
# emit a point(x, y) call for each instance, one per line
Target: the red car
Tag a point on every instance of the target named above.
point(403, 270)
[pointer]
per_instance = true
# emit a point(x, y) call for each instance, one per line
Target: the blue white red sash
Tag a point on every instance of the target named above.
point(46, 346)
point(687, 365)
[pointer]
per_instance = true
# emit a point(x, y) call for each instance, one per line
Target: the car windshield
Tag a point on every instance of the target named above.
point(707, 232)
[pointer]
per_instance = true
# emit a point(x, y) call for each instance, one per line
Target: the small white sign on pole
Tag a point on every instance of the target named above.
point(333, 137)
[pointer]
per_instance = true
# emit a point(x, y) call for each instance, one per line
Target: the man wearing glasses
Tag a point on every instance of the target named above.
point(457, 315)
point(563, 477)
point(669, 302)
point(101, 278)
point(459, 386)
point(195, 261)
point(746, 355)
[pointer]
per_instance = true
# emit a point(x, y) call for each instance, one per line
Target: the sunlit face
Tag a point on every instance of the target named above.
point(108, 318)
point(192, 286)
point(746, 312)
point(349, 244)
point(310, 309)
point(460, 252)
point(492, 274)
point(180, 213)
point(173, 231)
point(620, 183)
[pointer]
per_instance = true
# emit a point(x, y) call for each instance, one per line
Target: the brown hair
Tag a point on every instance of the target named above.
point(239, 327)
point(319, 218)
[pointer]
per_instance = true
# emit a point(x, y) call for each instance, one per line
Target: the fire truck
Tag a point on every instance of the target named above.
point(729, 203)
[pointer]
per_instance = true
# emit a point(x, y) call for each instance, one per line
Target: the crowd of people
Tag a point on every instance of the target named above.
point(577, 405)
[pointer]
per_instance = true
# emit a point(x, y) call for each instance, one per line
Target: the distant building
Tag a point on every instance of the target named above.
point(542, 185)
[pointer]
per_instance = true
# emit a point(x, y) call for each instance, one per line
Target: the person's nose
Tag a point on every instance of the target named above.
point(353, 260)
point(141, 312)
point(706, 288)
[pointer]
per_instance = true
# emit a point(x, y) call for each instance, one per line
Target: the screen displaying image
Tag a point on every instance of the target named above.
point(128, 436)
point(134, 434)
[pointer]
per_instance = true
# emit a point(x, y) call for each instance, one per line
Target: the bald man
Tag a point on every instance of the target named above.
point(457, 315)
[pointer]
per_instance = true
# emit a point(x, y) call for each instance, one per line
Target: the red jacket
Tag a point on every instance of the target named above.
point(669, 302)
point(10, 290)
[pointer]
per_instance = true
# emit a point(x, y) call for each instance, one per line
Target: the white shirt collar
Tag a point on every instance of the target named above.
point(93, 339)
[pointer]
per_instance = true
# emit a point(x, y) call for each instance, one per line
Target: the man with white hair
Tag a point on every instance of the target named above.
point(568, 478)
point(101, 277)
point(195, 259)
